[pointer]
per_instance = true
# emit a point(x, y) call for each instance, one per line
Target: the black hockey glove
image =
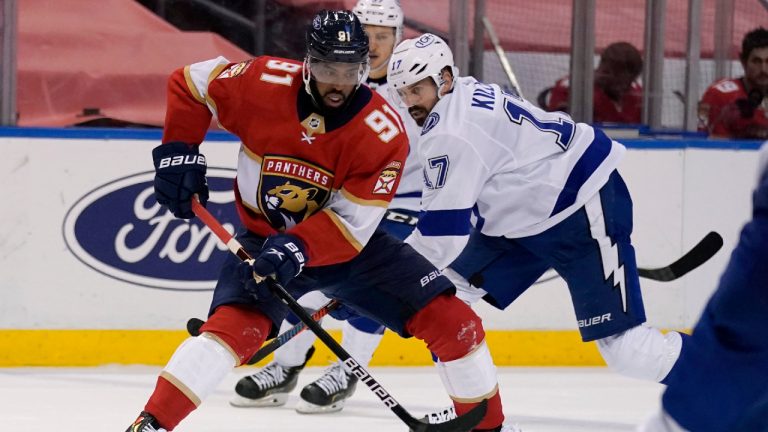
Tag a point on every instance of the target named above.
point(179, 174)
point(282, 256)
point(748, 105)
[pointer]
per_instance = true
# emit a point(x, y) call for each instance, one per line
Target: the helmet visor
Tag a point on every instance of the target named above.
point(417, 93)
point(337, 73)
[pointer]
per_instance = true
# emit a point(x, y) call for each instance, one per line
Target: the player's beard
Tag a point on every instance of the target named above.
point(334, 100)
point(419, 114)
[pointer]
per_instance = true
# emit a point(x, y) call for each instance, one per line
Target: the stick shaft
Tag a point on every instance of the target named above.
point(237, 248)
point(466, 421)
point(289, 334)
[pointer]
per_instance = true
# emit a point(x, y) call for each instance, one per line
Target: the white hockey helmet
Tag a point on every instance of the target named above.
point(419, 58)
point(385, 13)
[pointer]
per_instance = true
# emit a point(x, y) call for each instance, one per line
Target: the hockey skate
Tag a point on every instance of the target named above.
point(328, 393)
point(270, 386)
point(145, 423)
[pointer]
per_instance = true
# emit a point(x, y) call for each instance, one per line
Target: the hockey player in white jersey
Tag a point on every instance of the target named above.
point(724, 386)
point(541, 190)
point(270, 386)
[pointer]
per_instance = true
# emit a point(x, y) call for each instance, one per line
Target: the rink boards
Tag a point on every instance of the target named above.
point(94, 272)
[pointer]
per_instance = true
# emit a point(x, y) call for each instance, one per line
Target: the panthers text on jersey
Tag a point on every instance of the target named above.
point(514, 170)
point(327, 179)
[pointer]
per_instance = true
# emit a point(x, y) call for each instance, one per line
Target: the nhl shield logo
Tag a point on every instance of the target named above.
point(291, 190)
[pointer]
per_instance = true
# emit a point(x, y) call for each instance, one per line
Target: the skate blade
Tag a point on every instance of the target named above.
point(304, 407)
point(272, 400)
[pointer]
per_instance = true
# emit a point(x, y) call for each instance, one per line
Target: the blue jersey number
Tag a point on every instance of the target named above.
point(562, 128)
point(440, 164)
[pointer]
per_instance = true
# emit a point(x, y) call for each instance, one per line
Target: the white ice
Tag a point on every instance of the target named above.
point(107, 399)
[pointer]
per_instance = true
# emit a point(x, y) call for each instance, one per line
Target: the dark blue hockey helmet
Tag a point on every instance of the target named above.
point(337, 54)
point(337, 36)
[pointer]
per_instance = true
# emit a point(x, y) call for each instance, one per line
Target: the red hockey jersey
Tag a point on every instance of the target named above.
point(326, 179)
point(721, 116)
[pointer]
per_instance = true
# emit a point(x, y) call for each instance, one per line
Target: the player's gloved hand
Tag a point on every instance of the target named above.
point(282, 256)
point(179, 174)
point(748, 105)
point(258, 289)
point(745, 107)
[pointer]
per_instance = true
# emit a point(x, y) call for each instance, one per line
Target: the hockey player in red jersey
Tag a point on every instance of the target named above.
point(320, 158)
point(271, 385)
point(738, 107)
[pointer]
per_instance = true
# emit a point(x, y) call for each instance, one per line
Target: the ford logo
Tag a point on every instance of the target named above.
point(119, 230)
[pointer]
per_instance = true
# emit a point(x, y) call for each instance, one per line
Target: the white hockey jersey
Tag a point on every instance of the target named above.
point(495, 160)
point(408, 194)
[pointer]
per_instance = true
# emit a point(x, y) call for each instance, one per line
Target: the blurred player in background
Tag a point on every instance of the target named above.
point(320, 160)
point(541, 191)
point(724, 386)
point(738, 107)
point(270, 386)
point(618, 95)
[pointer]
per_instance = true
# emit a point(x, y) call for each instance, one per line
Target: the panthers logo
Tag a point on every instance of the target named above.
point(294, 203)
point(292, 190)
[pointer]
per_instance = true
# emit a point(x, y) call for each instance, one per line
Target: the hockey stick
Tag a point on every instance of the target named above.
point(698, 255)
point(291, 333)
point(462, 423)
point(502, 56)
point(705, 249)
point(194, 324)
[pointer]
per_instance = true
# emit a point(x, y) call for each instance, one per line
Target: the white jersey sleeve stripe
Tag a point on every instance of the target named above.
point(198, 75)
point(588, 163)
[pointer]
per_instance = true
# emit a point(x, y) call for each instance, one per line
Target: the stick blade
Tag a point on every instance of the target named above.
point(703, 251)
point(193, 326)
point(462, 423)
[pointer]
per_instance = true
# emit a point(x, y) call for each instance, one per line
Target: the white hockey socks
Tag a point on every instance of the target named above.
point(359, 344)
point(642, 352)
point(294, 352)
point(198, 366)
point(471, 378)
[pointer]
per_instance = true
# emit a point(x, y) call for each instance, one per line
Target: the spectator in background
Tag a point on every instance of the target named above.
point(738, 107)
point(618, 95)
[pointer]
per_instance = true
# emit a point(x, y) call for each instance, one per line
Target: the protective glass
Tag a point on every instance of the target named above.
point(337, 73)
